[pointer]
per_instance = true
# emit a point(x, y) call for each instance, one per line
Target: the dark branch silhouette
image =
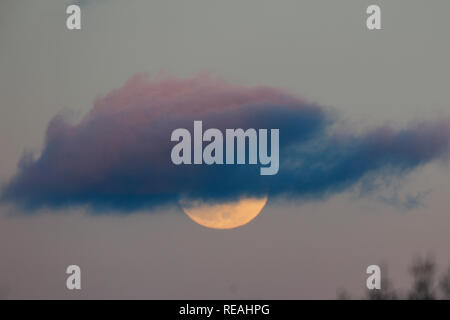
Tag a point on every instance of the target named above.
point(424, 286)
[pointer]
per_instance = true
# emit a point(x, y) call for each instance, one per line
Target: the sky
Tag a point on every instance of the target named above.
point(384, 92)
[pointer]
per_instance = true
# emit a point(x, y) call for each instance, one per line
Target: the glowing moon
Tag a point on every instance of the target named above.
point(227, 215)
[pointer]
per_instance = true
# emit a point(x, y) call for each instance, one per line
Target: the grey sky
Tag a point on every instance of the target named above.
point(317, 49)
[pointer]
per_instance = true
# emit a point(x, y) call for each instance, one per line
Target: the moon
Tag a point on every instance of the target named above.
point(227, 215)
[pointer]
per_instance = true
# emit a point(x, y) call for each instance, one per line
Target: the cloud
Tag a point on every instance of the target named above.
point(118, 156)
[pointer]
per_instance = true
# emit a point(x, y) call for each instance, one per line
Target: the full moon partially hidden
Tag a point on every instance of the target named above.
point(227, 215)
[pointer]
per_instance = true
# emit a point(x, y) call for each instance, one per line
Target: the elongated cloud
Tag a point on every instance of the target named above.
point(118, 156)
